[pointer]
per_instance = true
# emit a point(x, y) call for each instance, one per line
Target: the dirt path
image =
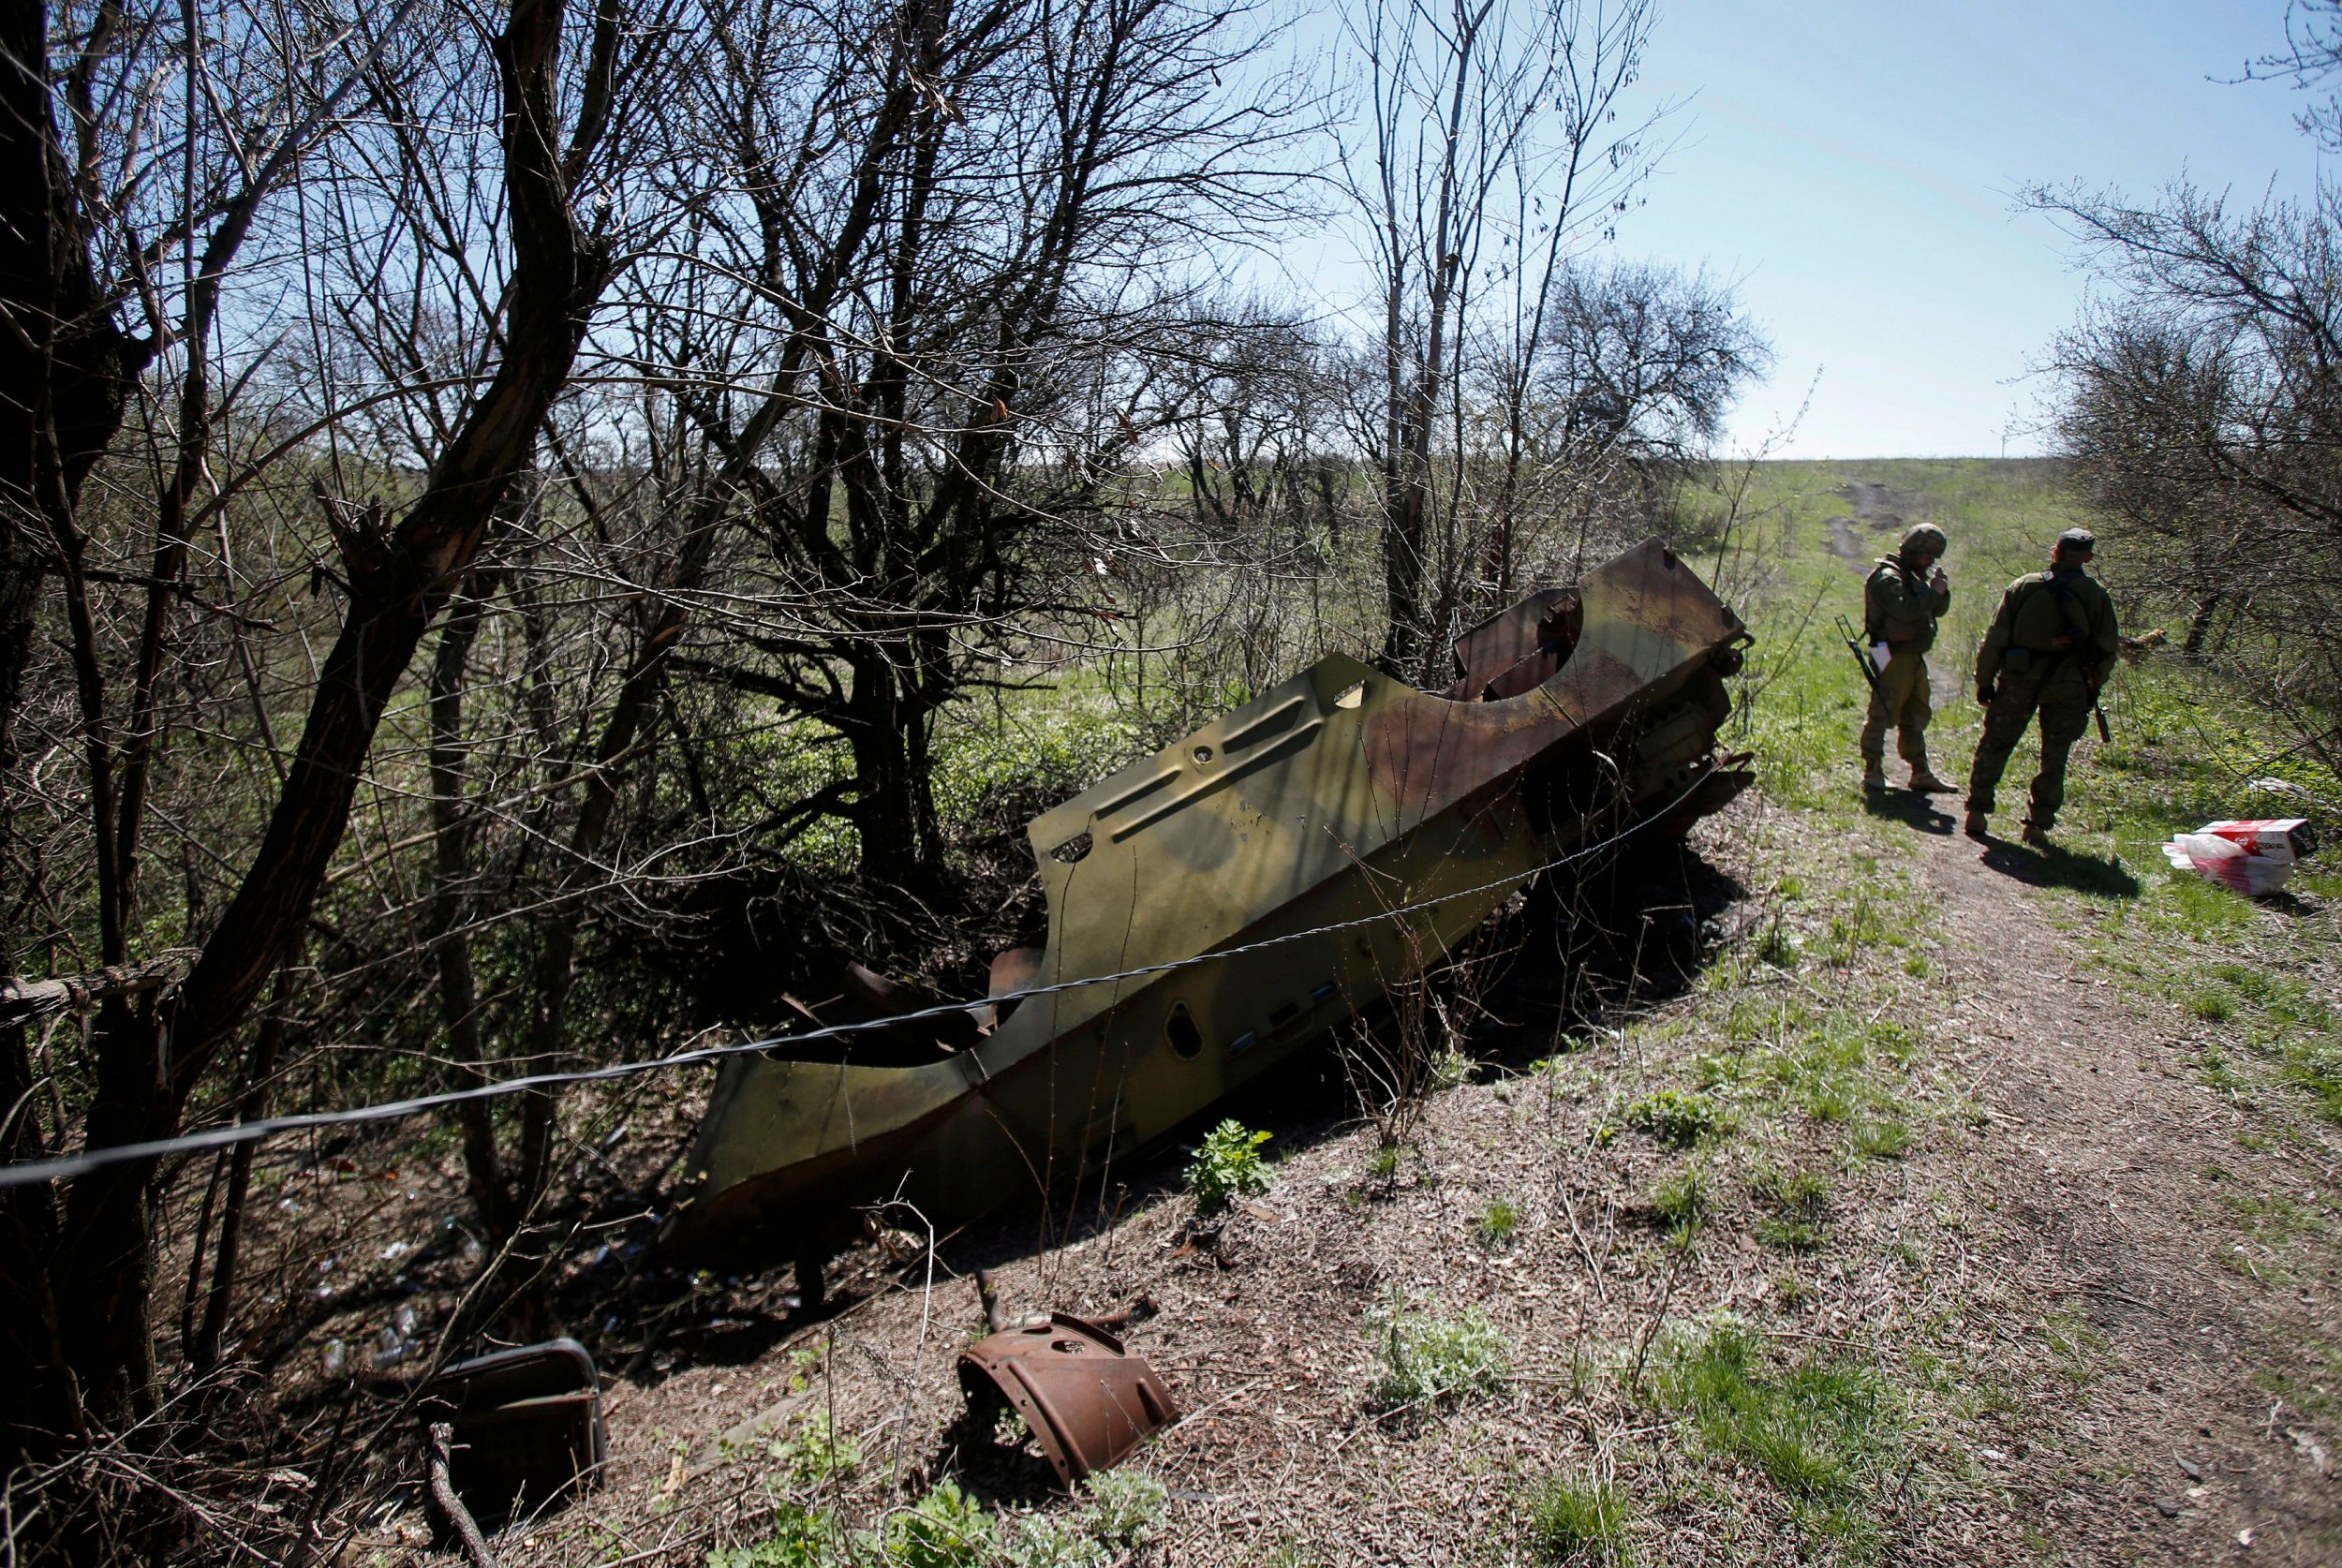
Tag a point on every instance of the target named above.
point(2110, 1166)
point(2120, 1173)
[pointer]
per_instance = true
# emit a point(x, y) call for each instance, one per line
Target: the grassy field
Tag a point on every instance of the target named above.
point(2184, 751)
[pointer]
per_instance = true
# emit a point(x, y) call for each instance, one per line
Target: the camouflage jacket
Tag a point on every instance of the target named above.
point(1899, 607)
point(2041, 608)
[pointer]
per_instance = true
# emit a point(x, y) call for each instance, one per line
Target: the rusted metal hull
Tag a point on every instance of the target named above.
point(1337, 795)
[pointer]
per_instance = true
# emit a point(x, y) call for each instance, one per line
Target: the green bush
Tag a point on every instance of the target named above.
point(1122, 1512)
point(1429, 1359)
point(1675, 1116)
point(1126, 1507)
point(1228, 1166)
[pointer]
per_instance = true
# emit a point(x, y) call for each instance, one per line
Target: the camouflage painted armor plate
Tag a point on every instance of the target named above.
point(1336, 794)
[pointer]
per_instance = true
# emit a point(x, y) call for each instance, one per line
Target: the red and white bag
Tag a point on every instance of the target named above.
point(2253, 856)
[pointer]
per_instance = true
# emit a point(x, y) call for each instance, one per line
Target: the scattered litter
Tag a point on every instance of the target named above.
point(2244, 1537)
point(2312, 1450)
point(337, 1360)
point(1086, 1400)
point(2285, 787)
point(2191, 1469)
point(390, 1349)
point(2167, 1507)
point(2254, 856)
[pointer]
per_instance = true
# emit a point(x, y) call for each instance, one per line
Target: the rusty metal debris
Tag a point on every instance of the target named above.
point(524, 1427)
point(1337, 795)
point(1086, 1400)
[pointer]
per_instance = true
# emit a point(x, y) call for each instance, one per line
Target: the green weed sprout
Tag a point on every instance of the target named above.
point(1675, 1116)
point(1228, 1166)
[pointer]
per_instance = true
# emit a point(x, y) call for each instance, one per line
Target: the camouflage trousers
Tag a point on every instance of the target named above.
point(1898, 699)
point(2064, 703)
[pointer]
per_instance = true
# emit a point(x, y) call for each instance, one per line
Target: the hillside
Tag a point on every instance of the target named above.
point(1965, 1204)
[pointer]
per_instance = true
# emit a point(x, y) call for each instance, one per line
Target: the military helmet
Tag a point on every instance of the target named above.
point(2077, 541)
point(1921, 539)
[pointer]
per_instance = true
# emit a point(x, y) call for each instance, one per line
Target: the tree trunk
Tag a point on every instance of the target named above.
point(204, 1351)
point(397, 586)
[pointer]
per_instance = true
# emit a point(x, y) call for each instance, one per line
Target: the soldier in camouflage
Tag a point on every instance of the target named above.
point(2050, 647)
point(1901, 603)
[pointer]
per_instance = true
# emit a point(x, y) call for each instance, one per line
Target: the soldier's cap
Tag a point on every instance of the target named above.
point(1923, 538)
point(2077, 541)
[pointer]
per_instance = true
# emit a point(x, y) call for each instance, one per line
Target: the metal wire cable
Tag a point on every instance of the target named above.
point(64, 1167)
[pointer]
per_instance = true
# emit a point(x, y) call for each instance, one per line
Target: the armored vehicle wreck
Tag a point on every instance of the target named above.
point(1259, 855)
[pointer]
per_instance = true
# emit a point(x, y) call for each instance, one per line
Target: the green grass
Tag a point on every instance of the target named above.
point(1498, 1221)
point(1825, 1434)
point(1797, 1201)
point(1575, 1521)
point(1682, 1198)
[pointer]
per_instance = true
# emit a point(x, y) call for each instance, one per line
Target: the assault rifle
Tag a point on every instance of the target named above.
point(1862, 653)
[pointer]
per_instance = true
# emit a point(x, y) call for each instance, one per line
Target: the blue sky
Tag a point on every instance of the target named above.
point(1854, 165)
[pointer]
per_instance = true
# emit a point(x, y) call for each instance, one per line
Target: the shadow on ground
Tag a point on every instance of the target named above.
point(2104, 877)
point(1909, 808)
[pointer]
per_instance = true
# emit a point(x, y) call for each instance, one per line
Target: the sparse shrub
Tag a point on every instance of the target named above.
point(1578, 1520)
point(945, 1528)
point(1228, 1166)
point(1125, 1507)
point(1676, 1117)
point(1449, 1069)
point(1426, 1358)
point(1498, 1221)
point(801, 1537)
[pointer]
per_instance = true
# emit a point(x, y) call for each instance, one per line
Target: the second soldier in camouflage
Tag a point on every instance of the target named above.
point(2050, 647)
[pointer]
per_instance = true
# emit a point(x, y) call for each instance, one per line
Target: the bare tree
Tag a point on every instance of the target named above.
point(954, 235)
point(2201, 405)
point(91, 164)
point(1493, 148)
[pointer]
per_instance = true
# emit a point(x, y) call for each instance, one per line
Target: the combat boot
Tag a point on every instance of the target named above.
point(1874, 777)
point(1978, 825)
point(2037, 835)
point(1924, 780)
